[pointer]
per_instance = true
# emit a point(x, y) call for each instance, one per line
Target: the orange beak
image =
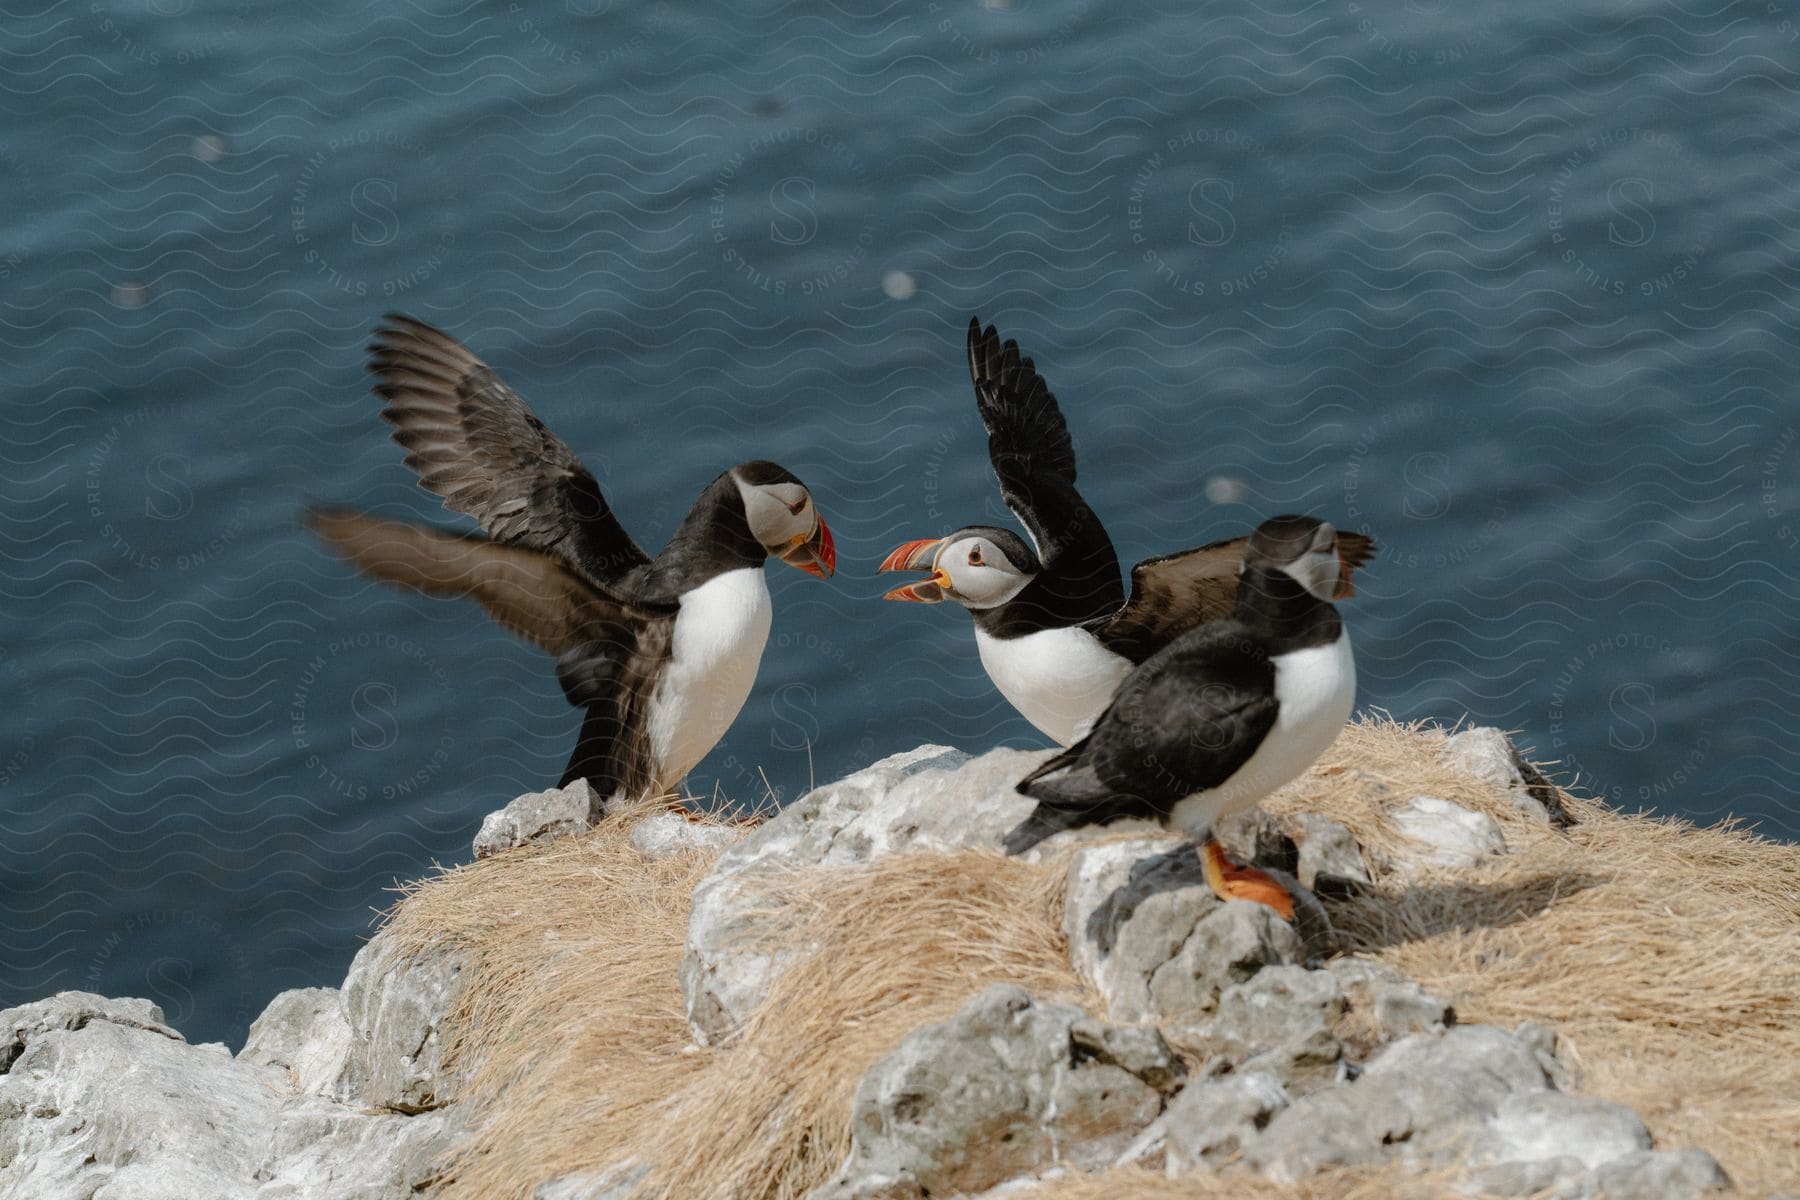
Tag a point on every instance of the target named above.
point(1354, 549)
point(918, 556)
point(816, 555)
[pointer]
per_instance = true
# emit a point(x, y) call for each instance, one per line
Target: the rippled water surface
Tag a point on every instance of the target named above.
point(1511, 286)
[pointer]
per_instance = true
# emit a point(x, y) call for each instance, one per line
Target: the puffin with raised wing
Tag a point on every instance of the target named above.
point(1053, 626)
point(660, 652)
point(1221, 716)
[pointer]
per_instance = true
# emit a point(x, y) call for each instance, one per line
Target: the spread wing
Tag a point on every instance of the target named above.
point(1172, 593)
point(608, 648)
point(1034, 460)
point(474, 442)
point(1028, 441)
point(591, 631)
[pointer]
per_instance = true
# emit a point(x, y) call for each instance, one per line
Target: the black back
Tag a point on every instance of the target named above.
point(1189, 716)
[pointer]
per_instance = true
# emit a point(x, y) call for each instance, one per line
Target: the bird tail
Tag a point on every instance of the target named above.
point(1033, 829)
point(1066, 802)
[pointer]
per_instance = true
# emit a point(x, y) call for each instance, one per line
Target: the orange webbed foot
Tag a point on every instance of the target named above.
point(1233, 882)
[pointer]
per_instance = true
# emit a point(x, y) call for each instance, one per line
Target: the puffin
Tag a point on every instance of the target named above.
point(1054, 628)
point(1220, 717)
point(660, 652)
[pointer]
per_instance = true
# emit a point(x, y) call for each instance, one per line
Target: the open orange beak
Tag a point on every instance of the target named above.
point(918, 556)
point(1354, 549)
point(816, 555)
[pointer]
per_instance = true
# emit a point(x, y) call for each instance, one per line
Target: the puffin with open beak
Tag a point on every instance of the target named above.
point(1053, 626)
point(660, 652)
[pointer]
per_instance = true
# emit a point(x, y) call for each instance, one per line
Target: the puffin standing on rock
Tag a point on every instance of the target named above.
point(661, 652)
point(1220, 717)
point(1053, 626)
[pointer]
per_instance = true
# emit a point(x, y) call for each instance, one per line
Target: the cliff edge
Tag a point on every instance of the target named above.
point(1492, 988)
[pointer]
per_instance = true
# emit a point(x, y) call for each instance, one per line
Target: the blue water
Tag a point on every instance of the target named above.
point(1510, 286)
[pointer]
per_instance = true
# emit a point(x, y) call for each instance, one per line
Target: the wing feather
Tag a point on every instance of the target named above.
point(1173, 593)
point(1180, 723)
point(532, 594)
point(473, 441)
point(1034, 460)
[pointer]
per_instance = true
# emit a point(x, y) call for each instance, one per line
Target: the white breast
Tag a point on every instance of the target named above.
point(718, 643)
point(1058, 679)
point(1316, 691)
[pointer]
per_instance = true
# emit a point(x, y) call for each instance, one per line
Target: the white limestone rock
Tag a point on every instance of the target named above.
point(1007, 1086)
point(1153, 939)
point(666, 834)
point(1487, 754)
point(74, 1010)
point(929, 799)
point(305, 1033)
point(395, 1007)
point(107, 1109)
point(1444, 835)
point(553, 813)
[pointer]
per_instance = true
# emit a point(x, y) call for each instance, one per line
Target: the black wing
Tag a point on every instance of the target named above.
point(1034, 460)
point(474, 442)
point(1184, 721)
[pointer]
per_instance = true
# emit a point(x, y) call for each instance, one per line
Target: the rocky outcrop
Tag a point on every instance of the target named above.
point(1213, 1037)
point(932, 798)
point(395, 1007)
point(1487, 754)
point(328, 1099)
point(1008, 1086)
point(1444, 835)
point(937, 799)
point(664, 835)
point(1305, 1062)
point(536, 816)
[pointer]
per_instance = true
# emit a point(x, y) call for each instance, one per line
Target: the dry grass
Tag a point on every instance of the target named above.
point(1139, 1184)
point(1668, 957)
point(573, 1037)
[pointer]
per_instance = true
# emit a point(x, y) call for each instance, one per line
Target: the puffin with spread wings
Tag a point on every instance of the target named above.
point(1053, 626)
point(660, 652)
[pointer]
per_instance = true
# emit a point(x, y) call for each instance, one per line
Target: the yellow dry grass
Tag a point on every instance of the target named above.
point(1140, 1184)
point(1667, 957)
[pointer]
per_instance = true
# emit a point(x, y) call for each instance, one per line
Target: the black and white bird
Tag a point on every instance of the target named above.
point(661, 652)
point(1053, 626)
point(1220, 717)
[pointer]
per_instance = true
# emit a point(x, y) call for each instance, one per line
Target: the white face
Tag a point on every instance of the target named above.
point(1317, 569)
point(778, 513)
point(980, 575)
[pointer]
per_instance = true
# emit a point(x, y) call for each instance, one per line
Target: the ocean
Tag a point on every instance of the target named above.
point(1510, 287)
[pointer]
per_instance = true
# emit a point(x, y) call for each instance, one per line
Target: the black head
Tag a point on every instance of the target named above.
point(1303, 548)
point(778, 509)
point(760, 472)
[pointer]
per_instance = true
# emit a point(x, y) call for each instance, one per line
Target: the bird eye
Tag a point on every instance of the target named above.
point(975, 556)
point(798, 506)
